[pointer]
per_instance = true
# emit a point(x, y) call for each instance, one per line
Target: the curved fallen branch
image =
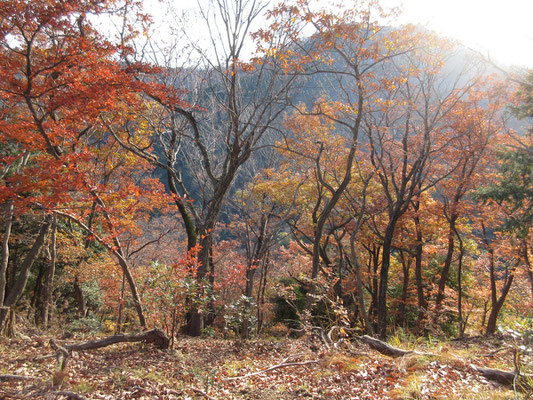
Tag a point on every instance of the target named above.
point(155, 337)
point(494, 352)
point(63, 353)
point(201, 393)
point(283, 364)
point(69, 395)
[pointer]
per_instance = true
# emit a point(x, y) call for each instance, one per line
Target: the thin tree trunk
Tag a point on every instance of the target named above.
point(462, 321)
point(49, 278)
point(496, 307)
point(359, 282)
point(446, 267)
point(36, 301)
point(188, 221)
point(119, 253)
point(373, 267)
point(384, 278)
point(80, 298)
point(406, 266)
point(257, 255)
point(496, 303)
point(120, 306)
point(529, 267)
point(422, 302)
point(5, 250)
point(484, 316)
point(9, 214)
point(261, 292)
point(22, 278)
point(133, 287)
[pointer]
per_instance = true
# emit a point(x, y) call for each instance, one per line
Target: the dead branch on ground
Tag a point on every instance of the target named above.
point(283, 364)
point(9, 377)
point(70, 395)
point(154, 336)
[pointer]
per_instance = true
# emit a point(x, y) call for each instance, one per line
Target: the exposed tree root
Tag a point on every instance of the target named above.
point(384, 348)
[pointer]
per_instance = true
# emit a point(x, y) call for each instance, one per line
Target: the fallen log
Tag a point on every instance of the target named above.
point(155, 337)
point(63, 353)
point(507, 378)
point(8, 377)
point(384, 348)
point(497, 375)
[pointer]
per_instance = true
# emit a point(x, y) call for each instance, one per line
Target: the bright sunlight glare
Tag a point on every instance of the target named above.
point(502, 30)
point(499, 29)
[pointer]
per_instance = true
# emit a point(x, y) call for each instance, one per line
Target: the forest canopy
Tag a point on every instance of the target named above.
point(350, 174)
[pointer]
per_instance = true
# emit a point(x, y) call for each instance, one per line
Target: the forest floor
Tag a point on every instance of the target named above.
point(234, 369)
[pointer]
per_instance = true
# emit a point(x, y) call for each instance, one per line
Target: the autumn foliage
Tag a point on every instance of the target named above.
point(345, 175)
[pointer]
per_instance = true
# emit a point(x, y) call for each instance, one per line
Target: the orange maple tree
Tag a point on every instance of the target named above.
point(62, 87)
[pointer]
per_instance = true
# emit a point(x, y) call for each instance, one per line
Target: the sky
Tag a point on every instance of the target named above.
point(501, 29)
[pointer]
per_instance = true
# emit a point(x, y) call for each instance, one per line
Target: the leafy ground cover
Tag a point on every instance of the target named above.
point(234, 369)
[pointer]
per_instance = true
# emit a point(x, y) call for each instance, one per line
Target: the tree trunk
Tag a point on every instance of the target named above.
point(446, 267)
point(462, 321)
point(9, 215)
point(190, 227)
point(5, 250)
point(261, 292)
point(45, 304)
point(498, 304)
point(24, 270)
point(527, 263)
point(373, 267)
point(194, 318)
point(384, 279)
point(23, 273)
point(117, 251)
point(335, 194)
point(495, 310)
point(133, 287)
point(257, 255)
point(406, 266)
point(80, 298)
point(36, 302)
point(359, 282)
point(248, 293)
point(120, 306)
point(422, 302)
